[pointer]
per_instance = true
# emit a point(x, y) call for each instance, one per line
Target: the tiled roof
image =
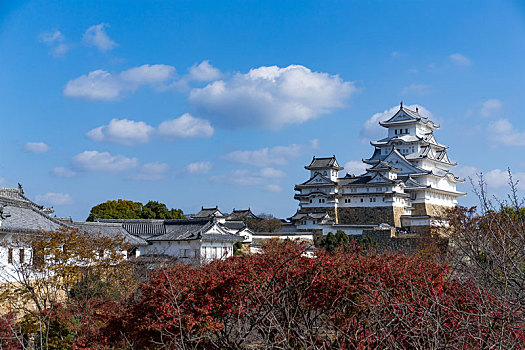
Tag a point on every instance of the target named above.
point(238, 215)
point(109, 230)
point(208, 213)
point(234, 225)
point(17, 197)
point(323, 163)
point(25, 218)
point(184, 230)
point(314, 215)
point(409, 115)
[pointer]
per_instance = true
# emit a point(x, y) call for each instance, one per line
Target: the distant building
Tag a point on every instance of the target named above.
point(207, 213)
point(241, 215)
point(187, 240)
point(407, 185)
point(190, 241)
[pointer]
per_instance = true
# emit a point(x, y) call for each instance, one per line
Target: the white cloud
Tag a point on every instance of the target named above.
point(503, 132)
point(199, 168)
point(151, 172)
point(371, 130)
point(36, 147)
point(244, 177)
point(94, 161)
point(278, 155)
point(416, 89)
point(355, 167)
point(204, 71)
point(459, 59)
point(102, 85)
point(96, 36)
point(63, 172)
point(97, 85)
point(55, 40)
point(491, 108)
point(272, 173)
point(148, 74)
point(497, 178)
point(241, 177)
point(273, 188)
point(271, 97)
point(52, 36)
point(122, 131)
point(51, 198)
point(466, 171)
point(60, 50)
point(395, 54)
point(186, 126)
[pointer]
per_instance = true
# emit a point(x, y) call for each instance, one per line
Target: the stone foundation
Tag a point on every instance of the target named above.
point(368, 216)
point(382, 240)
point(362, 215)
point(429, 209)
point(420, 230)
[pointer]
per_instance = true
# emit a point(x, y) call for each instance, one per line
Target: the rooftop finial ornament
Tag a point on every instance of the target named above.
point(417, 109)
point(401, 105)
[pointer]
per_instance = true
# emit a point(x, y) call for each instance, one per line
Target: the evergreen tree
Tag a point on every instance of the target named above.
point(331, 242)
point(125, 209)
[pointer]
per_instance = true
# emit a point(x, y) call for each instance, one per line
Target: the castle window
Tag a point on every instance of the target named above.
point(22, 255)
point(10, 256)
point(406, 131)
point(372, 200)
point(310, 201)
point(361, 200)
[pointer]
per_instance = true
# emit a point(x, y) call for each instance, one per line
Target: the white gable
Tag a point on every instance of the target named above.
point(378, 178)
point(400, 116)
point(398, 161)
point(318, 179)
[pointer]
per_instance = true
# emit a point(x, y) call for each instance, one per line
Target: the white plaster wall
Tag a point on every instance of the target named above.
point(215, 250)
point(347, 230)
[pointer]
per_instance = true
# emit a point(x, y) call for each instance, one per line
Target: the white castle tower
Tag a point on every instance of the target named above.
point(408, 182)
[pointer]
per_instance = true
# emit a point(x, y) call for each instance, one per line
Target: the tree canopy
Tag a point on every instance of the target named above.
point(264, 223)
point(330, 242)
point(125, 209)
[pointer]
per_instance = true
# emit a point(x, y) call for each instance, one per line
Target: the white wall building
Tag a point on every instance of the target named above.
point(408, 183)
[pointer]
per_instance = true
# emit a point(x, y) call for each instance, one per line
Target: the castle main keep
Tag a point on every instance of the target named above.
point(408, 183)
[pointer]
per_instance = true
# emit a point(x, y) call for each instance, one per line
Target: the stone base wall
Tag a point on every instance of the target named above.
point(368, 216)
point(382, 240)
point(420, 230)
point(397, 215)
point(429, 209)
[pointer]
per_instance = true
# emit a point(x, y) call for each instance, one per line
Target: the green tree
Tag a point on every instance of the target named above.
point(156, 210)
point(330, 242)
point(119, 209)
point(125, 209)
point(264, 223)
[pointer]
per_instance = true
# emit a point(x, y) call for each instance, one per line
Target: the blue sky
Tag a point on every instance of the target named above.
point(202, 102)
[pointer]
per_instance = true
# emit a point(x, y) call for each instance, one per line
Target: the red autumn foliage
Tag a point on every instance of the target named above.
point(9, 334)
point(285, 299)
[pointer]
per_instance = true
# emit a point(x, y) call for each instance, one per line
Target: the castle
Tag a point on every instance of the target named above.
point(407, 185)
